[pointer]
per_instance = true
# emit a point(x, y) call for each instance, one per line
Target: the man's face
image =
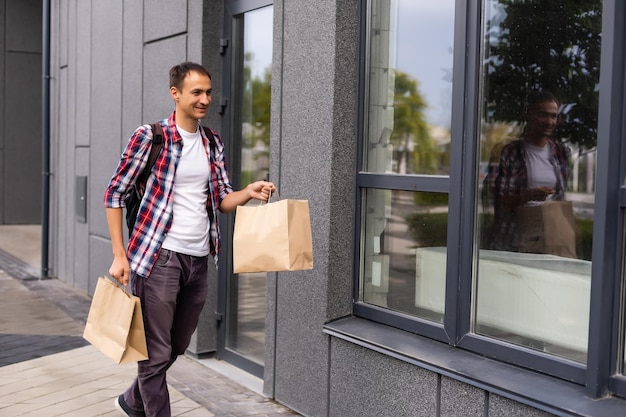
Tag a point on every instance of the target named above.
point(194, 96)
point(542, 120)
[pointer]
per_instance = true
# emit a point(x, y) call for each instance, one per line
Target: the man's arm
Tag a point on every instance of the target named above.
point(261, 190)
point(120, 268)
point(132, 162)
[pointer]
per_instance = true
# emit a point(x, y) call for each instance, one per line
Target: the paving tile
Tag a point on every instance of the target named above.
point(19, 409)
point(20, 348)
point(103, 407)
point(200, 412)
point(47, 369)
point(184, 403)
point(66, 392)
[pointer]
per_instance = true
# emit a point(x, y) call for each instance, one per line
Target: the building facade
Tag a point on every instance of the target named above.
point(20, 112)
point(389, 117)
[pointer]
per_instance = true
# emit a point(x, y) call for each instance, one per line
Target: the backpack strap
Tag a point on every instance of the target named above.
point(209, 135)
point(157, 139)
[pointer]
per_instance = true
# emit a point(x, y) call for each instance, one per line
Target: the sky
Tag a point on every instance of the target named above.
point(258, 33)
point(425, 39)
point(425, 34)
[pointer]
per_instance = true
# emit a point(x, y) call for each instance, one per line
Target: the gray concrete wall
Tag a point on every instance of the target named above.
point(110, 62)
point(20, 112)
point(365, 383)
point(313, 139)
point(110, 74)
point(2, 104)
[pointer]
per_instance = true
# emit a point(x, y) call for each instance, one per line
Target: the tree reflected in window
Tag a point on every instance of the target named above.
point(536, 180)
point(545, 45)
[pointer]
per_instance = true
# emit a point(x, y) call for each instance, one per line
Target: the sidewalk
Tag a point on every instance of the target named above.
point(47, 369)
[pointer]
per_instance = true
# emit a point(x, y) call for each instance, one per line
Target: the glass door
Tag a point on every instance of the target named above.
point(241, 338)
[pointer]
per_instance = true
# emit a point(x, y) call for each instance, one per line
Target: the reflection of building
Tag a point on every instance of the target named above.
point(405, 154)
point(441, 136)
point(336, 343)
point(583, 171)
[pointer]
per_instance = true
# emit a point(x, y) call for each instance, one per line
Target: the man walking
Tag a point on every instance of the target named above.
point(176, 230)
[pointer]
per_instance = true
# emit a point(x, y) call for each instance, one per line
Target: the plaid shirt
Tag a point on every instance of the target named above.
point(512, 178)
point(154, 218)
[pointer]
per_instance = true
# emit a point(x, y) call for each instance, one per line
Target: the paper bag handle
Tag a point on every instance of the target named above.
point(118, 285)
point(270, 197)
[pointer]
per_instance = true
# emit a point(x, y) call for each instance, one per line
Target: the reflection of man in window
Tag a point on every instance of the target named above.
point(533, 169)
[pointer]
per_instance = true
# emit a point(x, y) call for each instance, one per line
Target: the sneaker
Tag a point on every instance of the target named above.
point(123, 408)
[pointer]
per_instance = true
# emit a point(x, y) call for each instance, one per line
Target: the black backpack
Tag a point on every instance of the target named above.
point(133, 200)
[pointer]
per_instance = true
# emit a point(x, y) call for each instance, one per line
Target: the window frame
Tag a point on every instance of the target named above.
point(600, 374)
point(232, 46)
point(607, 270)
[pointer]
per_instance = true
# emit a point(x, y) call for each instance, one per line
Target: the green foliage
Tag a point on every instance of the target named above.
point(584, 238)
point(428, 229)
point(409, 122)
point(430, 199)
point(261, 105)
point(552, 45)
point(256, 103)
point(409, 106)
point(246, 177)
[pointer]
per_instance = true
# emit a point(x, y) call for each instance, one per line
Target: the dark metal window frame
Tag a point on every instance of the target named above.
point(601, 374)
point(232, 41)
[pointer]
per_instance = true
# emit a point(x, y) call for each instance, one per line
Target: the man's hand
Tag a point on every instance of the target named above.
point(261, 190)
point(541, 193)
point(120, 269)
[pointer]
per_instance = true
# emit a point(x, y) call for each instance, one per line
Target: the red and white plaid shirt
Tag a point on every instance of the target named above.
point(511, 178)
point(155, 212)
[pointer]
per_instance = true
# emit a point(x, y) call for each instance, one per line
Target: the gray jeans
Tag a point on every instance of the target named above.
point(172, 298)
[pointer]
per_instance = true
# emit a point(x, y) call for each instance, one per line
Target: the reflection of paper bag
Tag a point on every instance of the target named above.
point(115, 323)
point(273, 237)
point(548, 228)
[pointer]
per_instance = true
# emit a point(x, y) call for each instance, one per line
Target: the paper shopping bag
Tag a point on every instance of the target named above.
point(548, 228)
point(115, 323)
point(273, 237)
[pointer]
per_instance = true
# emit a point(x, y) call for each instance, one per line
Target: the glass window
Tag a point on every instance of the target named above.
point(536, 182)
point(408, 112)
point(404, 251)
point(410, 87)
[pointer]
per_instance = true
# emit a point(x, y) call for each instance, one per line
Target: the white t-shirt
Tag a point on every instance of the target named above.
point(189, 233)
point(541, 171)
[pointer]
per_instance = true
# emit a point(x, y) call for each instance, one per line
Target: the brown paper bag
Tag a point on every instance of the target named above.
point(548, 228)
point(115, 323)
point(273, 237)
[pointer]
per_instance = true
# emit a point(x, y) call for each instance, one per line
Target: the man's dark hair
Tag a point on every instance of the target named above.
point(180, 71)
point(537, 97)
